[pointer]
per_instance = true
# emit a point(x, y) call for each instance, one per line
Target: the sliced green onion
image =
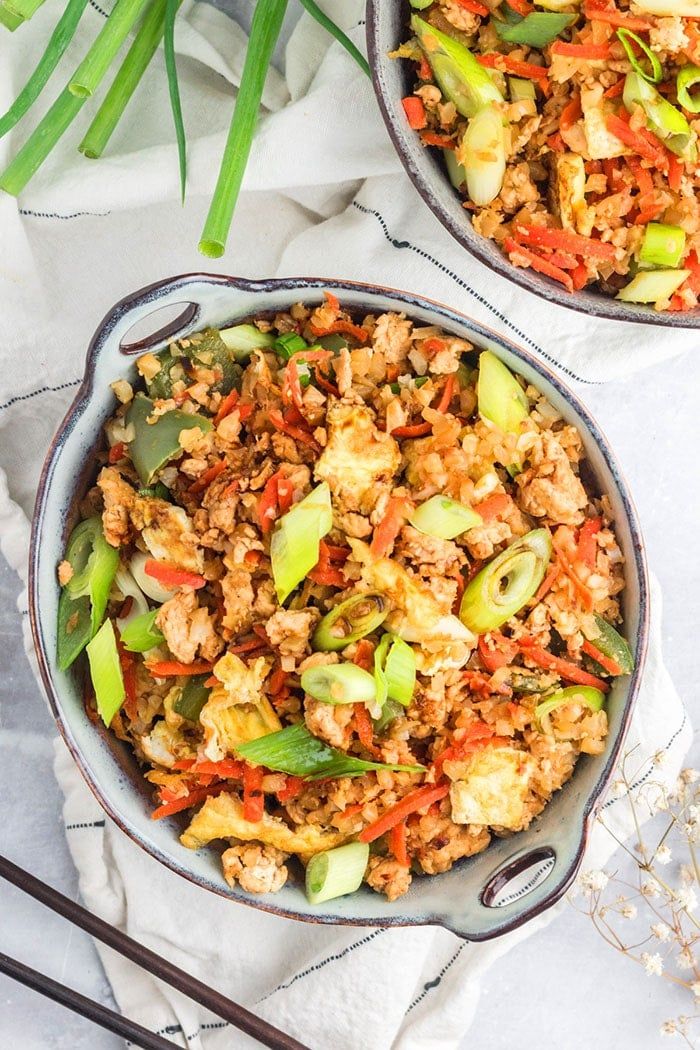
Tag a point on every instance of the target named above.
point(400, 671)
point(74, 628)
point(611, 644)
point(294, 547)
point(663, 246)
point(500, 397)
point(9, 18)
point(380, 683)
point(242, 339)
point(141, 633)
point(106, 672)
point(335, 31)
point(482, 153)
point(652, 286)
point(94, 563)
point(298, 753)
point(58, 42)
point(264, 31)
point(157, 491)
point(336, 872)
point(456, 173)
point(154, 444)
point(521, 90)
point(192, 698)
point(418, 382)
point(535, 30)
point(585, 694)
point(390, 712)
point(171, 7)
point(654, 72)
point(458, 74)
point(97, 61)
point(40, 143)
point(667, 122)
point(348, 622)
point(145, 44)
point(289, 343)
point(688, 78)
point(507, 583)
point(339, 684)
point(334, 342)
point(444, 517)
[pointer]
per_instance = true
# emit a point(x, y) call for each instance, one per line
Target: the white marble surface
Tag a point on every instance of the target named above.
point(564, 979)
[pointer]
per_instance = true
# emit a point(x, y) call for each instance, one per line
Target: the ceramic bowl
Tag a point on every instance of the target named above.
point(480, 897)
point(387, 28)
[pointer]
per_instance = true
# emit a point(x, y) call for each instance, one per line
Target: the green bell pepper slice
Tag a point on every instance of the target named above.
point(156, 443)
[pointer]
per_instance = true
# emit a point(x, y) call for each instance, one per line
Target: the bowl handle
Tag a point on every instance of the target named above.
point(528, 881)
point(176, 307)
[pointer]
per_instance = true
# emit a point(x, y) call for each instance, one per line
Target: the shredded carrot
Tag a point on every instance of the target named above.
point(193, 798)
point(481, 683)
point(363, 725)
point(415, 112)
point(579, 586)
point(424, 70)
point(421, 798)
point(642, 175)
point(253, 797)
point(397, 510)
point(268, 504)
point(474, 7)
point(465, 742)
point(579, 276)
point(397, 844)
point(280, 423)
point(570, 672)
point(332, 301)
point(608, 664)
point(432, 346)
point(248, 645)
point(173, 668)
point(493, 506)
point(521, 7)
point(584, 52)
point(570, 113)
point(547, 583)
point(312, 355)
point(447, 392)
point(415, 430)
point(324, 572)
point(293, 787)
point(225, 768)
point(204, 480)
point(226, 407)
point(521, 256)
point(117, 452)
point(496, 650)
point(556, 142)
point(341, 328)
point(505, 64)
point(637, 142)
point(431, 138)
point(616, 90)
point(602, 13)
point(364, 653)
point(587, 544)
point(171, 577)
point(675, 172)
point(564, 240)
point(291, 385)
point(325, 384)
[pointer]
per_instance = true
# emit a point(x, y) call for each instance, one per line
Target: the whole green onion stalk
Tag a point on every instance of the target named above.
point(97, 61)
point(171, 9)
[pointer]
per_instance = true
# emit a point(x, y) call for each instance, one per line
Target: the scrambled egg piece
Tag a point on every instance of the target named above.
point(168, 533)
point(237, 710)
point(596, 110)
point(357, 458)
point(164, 745)
point(570, 181)
point(491, 787)
point(221, 817)
point(416, 616)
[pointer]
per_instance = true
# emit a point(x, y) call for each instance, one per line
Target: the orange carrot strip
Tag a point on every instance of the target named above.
point(364, 654)
point(421, 798)
point(170, 576)
point(622, 131)
point(226, 407)
point(474, 7)
point(364, 727)
point(675, 172)
point(415, 430)
point(642, 175)
point(586, 544)
point(193, 798)
point(523, 256)
point(570, 672)
point(397, 510)
point(117, 452)
point(504, 63)
point(341, 328)
point(332, 301)
point(397, 842)
point(268, 504)
point(584, 52)
point(415, 112)
point(253, 797)
point(599, 13)
point(570, 113)
point(424, 70)
point(616, 90)
point(431, 138)
point(606, 662)
point(521, 7)
point(564, 240)
point(293, 786)
point(580, 587)
point(447, 392)
point(493, 506)
point(281, 424)
point(547, 582)
point(173, 668)
point(204, 480)
point(225, 767)
point(501, 652)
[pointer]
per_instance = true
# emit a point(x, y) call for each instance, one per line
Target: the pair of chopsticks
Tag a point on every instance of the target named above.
point(230, 1011)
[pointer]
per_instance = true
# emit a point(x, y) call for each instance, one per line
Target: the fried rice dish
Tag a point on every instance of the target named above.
point(347, 588)
point(570, 128)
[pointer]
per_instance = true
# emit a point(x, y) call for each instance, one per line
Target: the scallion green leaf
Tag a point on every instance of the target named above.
point(171, 7)
point(40, 143)
point(444, 518)
point(295, 543)
point(458, 74)
point(335, 31)
point(58, 42)
point(97, 61)
point(336, 872)
point(663, 246)
point(400, 671)
point(584, 694)
point(265, 29)
point(501, 399)
point(242, 339)
point(297, 752)
point(666, 122)
point(344, 683)
point(654, 72)
point(141, 633)
point(9, 18)
point(687, 79)
point(289, 343)
point(105, 672)
point(193, 696)
point(535, 30)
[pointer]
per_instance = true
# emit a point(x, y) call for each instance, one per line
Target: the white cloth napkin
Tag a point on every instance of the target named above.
point(324, 194)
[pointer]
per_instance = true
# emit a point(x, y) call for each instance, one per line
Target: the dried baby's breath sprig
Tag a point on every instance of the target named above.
point(647, 908)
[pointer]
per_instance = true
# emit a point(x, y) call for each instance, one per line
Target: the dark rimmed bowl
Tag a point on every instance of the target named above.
point(387, 28)
point(480, 898)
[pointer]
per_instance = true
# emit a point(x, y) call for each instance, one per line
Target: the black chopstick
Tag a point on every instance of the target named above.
point(194, 989)
point(80, 1004)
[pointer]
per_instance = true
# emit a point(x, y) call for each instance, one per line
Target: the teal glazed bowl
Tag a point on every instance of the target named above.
point(387, 28)
point(481, 897)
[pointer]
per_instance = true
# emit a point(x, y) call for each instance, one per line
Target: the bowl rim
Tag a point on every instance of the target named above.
point(86, 390)
point(591, 304)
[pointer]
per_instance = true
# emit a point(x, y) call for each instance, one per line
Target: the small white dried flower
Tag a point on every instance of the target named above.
point(629, 911)
point(618, 788)
point(669, 1028)
point(653, 965)
point(649, 889)
point(663, 855)
point(695, 989)
point(685, 898)
point(593, 881)
point(689, 776)
point(686, 959)
point(687, 873)
point(660, 759)
point(661, 931)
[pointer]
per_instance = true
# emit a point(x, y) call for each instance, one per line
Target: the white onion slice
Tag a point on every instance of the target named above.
point(148, 584)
